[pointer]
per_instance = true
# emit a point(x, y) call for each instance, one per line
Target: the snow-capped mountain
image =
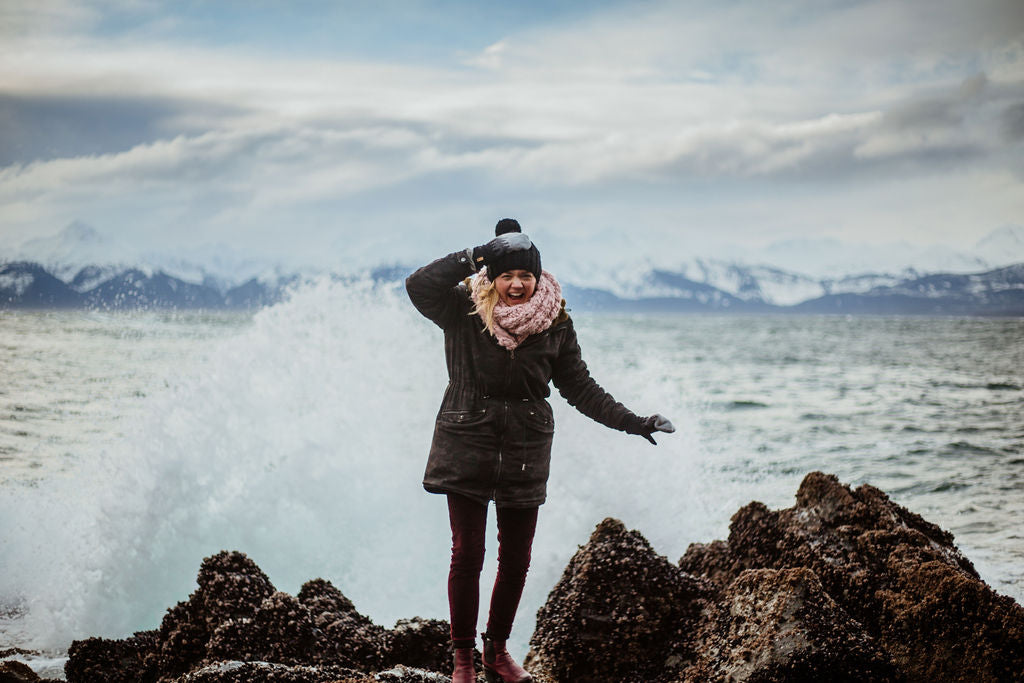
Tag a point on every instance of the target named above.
point(76, 246)
point(1003, 246)
point(89, 277)
point(789, 272)
point(80, 246)
point(994, 292)
point(102, 270)
point(749, 283)
point(830, 258)
point(29, 285)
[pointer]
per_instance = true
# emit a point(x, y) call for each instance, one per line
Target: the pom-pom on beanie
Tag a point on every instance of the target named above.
point(524, 259)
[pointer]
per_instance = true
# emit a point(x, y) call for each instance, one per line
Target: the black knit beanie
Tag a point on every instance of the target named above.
point(524, 259)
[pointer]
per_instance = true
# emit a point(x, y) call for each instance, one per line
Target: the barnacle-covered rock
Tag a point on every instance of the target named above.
point(99, 660)
point(344, 636)
point(280, 631)
point(17, 672)
point(620, 612)
point(420, 643)
point(236, 627)
point(231, 589)
point(266, 672)
point(779, 625)
point(845, 585)
point(895, 573)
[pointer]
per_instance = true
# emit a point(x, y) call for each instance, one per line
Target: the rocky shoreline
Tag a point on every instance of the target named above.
point(846, 585)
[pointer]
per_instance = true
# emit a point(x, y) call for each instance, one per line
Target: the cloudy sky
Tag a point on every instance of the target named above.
point(363, 131)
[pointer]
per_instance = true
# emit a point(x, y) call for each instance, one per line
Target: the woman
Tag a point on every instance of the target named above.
point(506, 336)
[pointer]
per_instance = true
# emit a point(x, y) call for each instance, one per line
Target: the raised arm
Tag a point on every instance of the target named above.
point(434, 288)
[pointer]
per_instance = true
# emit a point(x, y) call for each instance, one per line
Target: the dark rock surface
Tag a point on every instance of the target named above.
point(237, 627)
point(898, 575)
point(420, 643)
point(346, 636)
point(265, 672)
point(16, 672)
point(844, 586)
point(114, 661)
point(780, 625)
point(620, 612)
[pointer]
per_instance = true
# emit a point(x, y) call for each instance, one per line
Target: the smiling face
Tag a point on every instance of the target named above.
point(515, 286)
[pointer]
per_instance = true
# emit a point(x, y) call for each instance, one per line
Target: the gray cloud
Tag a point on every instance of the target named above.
point(948, 109)
point(1013, 121)
point(46, 127)
point(953, 125)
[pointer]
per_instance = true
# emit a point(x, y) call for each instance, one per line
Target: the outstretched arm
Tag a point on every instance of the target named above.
point(573, 381)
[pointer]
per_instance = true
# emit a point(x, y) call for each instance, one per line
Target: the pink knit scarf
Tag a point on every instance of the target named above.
point(513, 324)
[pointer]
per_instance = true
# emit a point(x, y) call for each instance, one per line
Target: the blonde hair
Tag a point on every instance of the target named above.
point(486, 298)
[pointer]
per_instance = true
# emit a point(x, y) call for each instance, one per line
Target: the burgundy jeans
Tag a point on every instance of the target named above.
point(515, 538)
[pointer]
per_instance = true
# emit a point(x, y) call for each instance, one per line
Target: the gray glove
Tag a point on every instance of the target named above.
point(499, 246)
point(645, 426)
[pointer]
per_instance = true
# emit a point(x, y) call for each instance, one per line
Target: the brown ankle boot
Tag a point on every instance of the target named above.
point(464, 672)
point(499, 667)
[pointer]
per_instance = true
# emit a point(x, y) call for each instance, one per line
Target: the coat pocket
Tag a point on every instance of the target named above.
point(539, 420)
point(462, 417)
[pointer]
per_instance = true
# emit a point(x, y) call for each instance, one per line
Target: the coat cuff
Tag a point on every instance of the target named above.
point(634, 424)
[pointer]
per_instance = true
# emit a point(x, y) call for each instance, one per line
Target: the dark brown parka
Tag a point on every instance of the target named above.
point(492, 435)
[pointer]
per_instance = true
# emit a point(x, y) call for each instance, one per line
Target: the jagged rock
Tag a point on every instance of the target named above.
point(898, 575)
point(13, 671)
point(17, 672)
point(281, 631)
point(265, 672)
point(420, 643)
point(405, 674)
point(231, 586)
point(235, 615)
point(231, 589)
point(99, 660)
point(345, 636)
point(620, 612)
point(780, 625)
point(845, 585)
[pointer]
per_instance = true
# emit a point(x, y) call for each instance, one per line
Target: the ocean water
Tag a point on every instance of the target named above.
point(134, 445)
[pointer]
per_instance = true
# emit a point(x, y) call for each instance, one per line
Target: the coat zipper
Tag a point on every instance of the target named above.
point(504, 421)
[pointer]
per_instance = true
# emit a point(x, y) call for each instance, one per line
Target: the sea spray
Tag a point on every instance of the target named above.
point(301, 441)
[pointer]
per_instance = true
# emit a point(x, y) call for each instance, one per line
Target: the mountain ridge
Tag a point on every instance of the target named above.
point(998, 292)
point(783, 272)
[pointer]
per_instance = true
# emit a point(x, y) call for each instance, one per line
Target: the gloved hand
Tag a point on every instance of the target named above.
point(645, 426)
point(499, 246)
